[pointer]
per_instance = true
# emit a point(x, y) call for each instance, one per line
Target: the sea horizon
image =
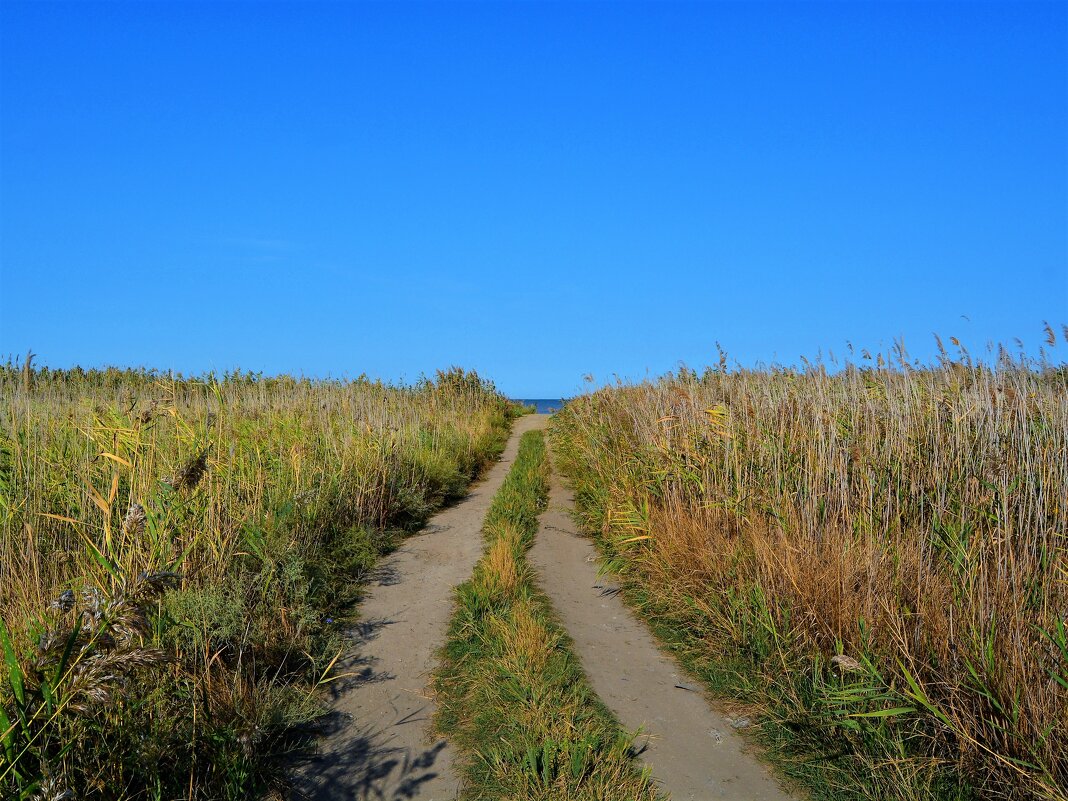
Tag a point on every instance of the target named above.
point(543, 405)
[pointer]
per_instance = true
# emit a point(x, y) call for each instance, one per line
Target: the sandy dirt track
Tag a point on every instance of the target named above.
point(379, 744)
point(693, 751)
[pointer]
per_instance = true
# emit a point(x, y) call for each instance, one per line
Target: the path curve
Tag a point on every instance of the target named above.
point(694, 753)
point(381, 745)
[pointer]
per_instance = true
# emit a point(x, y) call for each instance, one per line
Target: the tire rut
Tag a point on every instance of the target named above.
point(693, 751)
point(379, 742)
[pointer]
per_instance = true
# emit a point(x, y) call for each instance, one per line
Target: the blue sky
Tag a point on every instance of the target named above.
point(538, 191)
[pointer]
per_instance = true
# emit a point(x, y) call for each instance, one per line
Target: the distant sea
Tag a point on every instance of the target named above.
point(543, 405)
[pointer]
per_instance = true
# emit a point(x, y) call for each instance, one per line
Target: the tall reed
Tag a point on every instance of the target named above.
point(875, 555)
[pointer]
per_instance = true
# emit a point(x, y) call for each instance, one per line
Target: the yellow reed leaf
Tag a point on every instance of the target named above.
point(61, 518)
point(98, 499)
point(116, 458)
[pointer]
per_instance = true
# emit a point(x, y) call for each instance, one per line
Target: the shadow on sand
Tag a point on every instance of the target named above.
point(366, 767)
point(374, 759)
point(361, 763)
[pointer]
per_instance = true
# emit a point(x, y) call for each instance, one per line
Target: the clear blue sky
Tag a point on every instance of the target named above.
point(538, 191)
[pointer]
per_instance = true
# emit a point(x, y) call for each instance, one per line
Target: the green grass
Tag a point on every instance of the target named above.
point(178, 557)
point(511, 693)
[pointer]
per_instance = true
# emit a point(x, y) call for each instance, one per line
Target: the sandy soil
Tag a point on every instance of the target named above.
point(379, 744)
point(694, 751)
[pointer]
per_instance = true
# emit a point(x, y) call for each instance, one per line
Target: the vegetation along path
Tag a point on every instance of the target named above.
point(693, 751)
point(381, 745)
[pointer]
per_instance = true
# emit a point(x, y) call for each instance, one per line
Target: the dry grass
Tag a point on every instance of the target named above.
point(499, 572)
point(527, 644)
point(911, 521)
point(264, 500)
point(512, 696)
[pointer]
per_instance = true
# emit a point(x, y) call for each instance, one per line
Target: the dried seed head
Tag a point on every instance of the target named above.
point(134, 523)
point(51, 789)
point(248, 738)
point(146, 416)
point(92, 608)
point(190, 474)
point(149, 586)
point(47, 644)
point(104, 675)
point(65, 601)
point(846, 664)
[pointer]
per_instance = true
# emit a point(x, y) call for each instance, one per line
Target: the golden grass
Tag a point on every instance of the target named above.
point(498, 572)
point(913, 518)
point(526, 642)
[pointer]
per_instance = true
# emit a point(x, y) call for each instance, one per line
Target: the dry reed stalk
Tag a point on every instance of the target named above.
point(926, 503)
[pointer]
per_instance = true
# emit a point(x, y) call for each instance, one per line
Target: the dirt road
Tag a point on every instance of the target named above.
point(694, 752)
point(381, 744)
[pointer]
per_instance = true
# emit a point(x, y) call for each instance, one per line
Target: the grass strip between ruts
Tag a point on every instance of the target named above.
point(512, 695)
